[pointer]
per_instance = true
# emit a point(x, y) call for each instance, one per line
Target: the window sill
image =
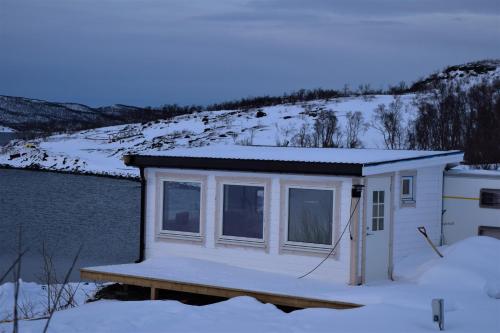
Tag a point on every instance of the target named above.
point(180, 236)
point(245, 242)
point(408, 203)
point(306, 249)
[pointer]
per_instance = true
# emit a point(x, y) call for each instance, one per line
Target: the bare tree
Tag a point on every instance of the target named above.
point(284, 135)
point(441, 118)
point(248, 141)
point(62, 290)
point(54, 287)
point(326, 132)
point(303, 138)
point(354, 126)
point(17, 277)
point(389, 122)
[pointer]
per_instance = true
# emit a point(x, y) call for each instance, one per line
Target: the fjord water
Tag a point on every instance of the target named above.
point(65, 211)
point(6, 137)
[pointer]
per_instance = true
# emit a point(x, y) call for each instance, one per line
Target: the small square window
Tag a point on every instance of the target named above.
point(407, 189)
point(489, 198)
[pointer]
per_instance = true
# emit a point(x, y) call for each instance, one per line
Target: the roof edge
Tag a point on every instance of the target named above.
point(249, 165)
point(448, 153)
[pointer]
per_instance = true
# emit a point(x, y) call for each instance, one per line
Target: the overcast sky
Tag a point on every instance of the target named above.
point(152, 52)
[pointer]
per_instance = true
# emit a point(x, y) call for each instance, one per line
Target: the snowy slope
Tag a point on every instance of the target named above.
point(4, 129)
point(100, 150)
point(466, 74)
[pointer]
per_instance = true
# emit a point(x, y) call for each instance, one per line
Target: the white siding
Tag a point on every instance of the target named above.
point(427, 212)
point(463, 216)
point(269, 259)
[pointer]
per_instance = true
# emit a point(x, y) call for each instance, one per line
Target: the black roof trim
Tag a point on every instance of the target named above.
point(228, 164)
point(255, 165)
point(414, 158)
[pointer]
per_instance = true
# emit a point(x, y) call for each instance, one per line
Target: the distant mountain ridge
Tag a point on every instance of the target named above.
point(28, 115)
point(25, 114)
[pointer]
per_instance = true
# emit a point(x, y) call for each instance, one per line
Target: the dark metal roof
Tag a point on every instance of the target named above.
point(273, 166)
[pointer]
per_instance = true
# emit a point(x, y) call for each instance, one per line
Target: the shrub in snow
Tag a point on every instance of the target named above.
point(260, 114)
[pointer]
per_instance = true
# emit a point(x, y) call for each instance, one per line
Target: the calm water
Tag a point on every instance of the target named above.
point(6, 137)
point(64, 211)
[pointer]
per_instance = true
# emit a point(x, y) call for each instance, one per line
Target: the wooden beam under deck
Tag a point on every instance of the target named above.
point(188, 287)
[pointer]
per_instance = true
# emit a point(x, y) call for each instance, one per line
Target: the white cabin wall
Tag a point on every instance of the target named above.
point(345, 212)
point(427, 212)
point(270, 259)
point(150, 212)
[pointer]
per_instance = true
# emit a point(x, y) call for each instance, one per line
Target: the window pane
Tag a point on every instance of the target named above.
point(374, 224)
point(406, 186)
point(490, 198)
point(380, 223)
point(375, 210)
point(375, 196)
point(310, 216)
point(243, 211)
point(381, 196)
point(181, 206)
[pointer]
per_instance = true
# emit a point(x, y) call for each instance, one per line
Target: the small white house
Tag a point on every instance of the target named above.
point(282, 209)
point(471, 204)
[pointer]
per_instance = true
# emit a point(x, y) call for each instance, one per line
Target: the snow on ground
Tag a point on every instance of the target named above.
point(32, 299)
point(465, 278)
point(322, 155)
point(99, 151)
point(468, 170)
point(4, 129)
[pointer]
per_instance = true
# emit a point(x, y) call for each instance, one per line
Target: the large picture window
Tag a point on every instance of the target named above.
point(243, 211)
point(181, 207)
point(310, 216)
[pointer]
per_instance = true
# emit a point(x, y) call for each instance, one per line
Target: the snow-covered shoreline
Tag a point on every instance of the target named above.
point(466, 278)
point(4, 129)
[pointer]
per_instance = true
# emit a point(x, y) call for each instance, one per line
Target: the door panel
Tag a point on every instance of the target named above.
point(377, 229)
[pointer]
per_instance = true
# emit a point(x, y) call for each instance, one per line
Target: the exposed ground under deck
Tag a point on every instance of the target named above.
point(219, 280)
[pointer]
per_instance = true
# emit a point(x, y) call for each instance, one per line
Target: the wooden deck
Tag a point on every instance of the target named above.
point(211, 290)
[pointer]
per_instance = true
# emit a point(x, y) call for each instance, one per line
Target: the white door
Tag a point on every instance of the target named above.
point(377, 229)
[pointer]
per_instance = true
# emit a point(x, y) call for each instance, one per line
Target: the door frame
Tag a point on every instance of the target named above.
point(390, 265)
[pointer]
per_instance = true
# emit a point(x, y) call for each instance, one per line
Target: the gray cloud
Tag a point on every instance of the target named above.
point(149, 52)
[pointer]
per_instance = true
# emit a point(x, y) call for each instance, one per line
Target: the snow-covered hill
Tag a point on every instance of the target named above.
point(99, 151)
point(466, 74)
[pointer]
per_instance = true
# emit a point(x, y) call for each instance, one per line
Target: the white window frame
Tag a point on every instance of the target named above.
point(302, 246)
point(180, 235)
point(235, 240)
point(408, 200)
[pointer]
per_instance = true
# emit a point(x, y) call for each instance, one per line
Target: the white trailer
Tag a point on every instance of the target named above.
point(471, 204)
